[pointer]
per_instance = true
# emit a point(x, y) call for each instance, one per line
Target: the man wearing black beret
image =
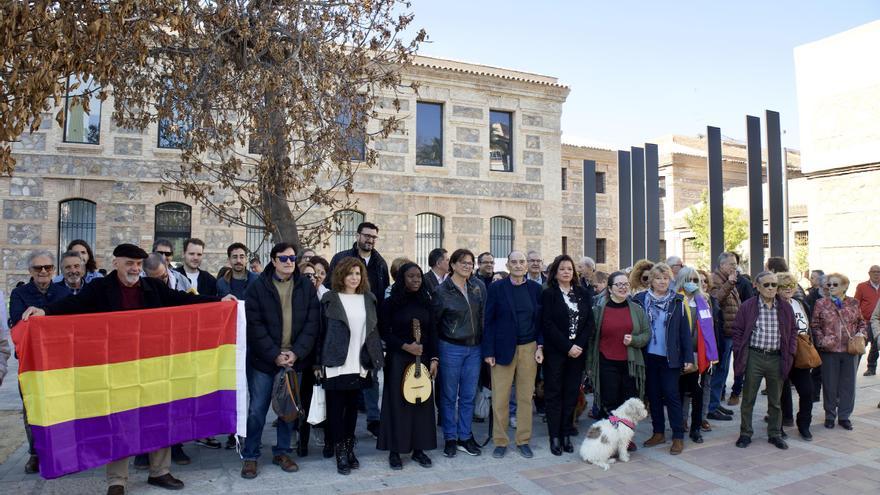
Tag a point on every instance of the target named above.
point(124, 289)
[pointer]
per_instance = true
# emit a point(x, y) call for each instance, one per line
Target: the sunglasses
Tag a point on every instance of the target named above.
point(767, 285)
point(694, 280)
point(166, 253)
point(835, 284)
point(310, 276)
point(284, 258)
point(40, 268)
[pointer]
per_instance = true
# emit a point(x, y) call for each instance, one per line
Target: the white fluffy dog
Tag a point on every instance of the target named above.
point(612, 436)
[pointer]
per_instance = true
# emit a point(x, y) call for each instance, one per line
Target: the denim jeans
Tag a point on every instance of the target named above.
point(719, 376)
point(371, 399)
point(260, 392)
point(459, 374)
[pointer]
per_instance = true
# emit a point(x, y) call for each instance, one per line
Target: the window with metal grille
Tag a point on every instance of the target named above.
point(174, 223)
point(600, 251)
point(257, 239)
point(600, 182)
point(501, 142)
point(429, 235)
point(429, 134)
point(348, 221)
point(765, 241)
point(802, 238)
point(81, 125)
point(500, 236)
point(76, 220)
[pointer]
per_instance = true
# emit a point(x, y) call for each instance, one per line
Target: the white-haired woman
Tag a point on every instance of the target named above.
point(698, 310)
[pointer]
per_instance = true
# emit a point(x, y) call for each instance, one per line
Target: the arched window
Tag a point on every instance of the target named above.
point(76, 220)
point(429, 235)
point(348, 221)
point(257, 239)
point(174, 223)
point(500, 236)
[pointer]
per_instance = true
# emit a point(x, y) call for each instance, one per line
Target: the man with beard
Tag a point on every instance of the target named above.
point(377, 275)
point(193, 254)
point(238, 278)
point(123, 289)
point(72, 268)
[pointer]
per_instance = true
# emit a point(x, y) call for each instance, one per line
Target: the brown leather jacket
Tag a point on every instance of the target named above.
point(728, 298)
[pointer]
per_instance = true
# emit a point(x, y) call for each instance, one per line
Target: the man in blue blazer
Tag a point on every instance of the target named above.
point(513, 347)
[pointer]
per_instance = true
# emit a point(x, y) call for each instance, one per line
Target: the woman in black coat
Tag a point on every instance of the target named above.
point(567, 324)
point(406, 427)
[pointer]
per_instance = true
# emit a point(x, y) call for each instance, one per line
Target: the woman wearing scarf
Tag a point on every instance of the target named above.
point(406, 427)
point(800, 377)
point(836, 320)
point(718, 321)
point(698, 311)
point(670, 351)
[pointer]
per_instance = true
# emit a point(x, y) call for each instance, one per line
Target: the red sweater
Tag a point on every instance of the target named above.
point(616, 322)
point(867, 297)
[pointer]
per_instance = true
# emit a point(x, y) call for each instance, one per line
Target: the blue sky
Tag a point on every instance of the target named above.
point(640, 70)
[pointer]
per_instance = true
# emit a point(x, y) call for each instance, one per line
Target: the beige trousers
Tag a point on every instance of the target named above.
point(523, 369)
point(160, 465)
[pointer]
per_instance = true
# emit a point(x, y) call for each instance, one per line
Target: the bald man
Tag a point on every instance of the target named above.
point(867, 294)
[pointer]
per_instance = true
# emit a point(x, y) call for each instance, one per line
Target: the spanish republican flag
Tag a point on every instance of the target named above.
point(102, 387)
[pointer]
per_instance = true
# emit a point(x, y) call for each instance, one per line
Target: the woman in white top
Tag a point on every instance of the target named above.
point(800, 377)
point(349, 350)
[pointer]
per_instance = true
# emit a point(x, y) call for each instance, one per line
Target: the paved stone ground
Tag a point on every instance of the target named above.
point(836, 462)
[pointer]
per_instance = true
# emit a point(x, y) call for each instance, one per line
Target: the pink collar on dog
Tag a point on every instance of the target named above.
point(628, 422)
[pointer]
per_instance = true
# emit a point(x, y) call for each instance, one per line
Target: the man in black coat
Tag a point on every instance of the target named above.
point(377, 274)
point(283, 321)
point(193, 253)
point(124, 289)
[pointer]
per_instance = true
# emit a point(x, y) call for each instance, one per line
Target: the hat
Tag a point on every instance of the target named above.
point(130, 251)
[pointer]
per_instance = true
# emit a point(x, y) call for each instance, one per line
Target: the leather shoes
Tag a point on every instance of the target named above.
point(696, 437)
point(719, 416)
point(743, 441)
point(566, 444)
point(677, 446)
point(846, 424)
point(394, 461)
point(733, 400)
point(499, 452)
point(32, 465)
point(285, 463)
point(525, 451)
point(725, 410)
point(249, 470)
point(783, 435)
point(422, 458)
point(829, 423)
point(778, 442)
point(166, 481)
point(116, 490)
point(705, 426)
point(656, 439)
point(178, 456)
point(805, 434)
point(555, 446)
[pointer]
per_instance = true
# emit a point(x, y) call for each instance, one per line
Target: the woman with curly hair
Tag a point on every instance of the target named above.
point(639, 277)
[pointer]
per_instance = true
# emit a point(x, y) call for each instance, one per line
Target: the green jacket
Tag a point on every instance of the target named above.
point(641, 334)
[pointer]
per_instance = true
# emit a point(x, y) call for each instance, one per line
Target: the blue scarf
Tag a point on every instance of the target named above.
point(837, 302)
point(657, 309)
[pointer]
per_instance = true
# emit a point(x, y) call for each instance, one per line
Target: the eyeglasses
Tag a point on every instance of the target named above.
point(40, 268)
point(284, 259)
point(166, 253)
point(694, 280)
point(621, 285)
point(786, 287)
point(466, 263)
point(767, 285)
point(369, 236)
point(835, 284)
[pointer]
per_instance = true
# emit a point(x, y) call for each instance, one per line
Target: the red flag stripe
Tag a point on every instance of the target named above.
point(58, 342)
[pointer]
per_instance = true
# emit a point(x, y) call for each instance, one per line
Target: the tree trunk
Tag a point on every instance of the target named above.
point(282, 222)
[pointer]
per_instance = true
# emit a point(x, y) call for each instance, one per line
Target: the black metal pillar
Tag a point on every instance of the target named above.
point(590, 208)
point(716, 195)
point(652, 201)
point(775, 179)
point(638, 203)
point(624, 210)
point(756, 201)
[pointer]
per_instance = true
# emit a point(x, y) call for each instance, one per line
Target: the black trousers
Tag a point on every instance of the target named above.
point(615, 384)
point(873, 354)
point(306, 384)
point(803, 382)
point(562, 381)
point(689, 385)
point(341, 414)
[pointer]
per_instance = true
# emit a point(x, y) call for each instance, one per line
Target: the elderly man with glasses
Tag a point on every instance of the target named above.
point(765, 342)
point(867, 295)
point(723, 288)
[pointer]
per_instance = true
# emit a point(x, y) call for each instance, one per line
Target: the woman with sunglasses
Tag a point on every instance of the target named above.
point(669, 353)
point(567, 323)
point(836, 320)
point(800, 377)
point(698, 310)
point(640, 277)
point(615, 357)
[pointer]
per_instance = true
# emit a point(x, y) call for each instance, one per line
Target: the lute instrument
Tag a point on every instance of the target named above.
point(417, 384)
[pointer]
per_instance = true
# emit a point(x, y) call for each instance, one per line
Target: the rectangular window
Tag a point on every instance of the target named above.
point(174, 131)
point(600, 251)
point(82, 125)
point(765, 241)
point(354, 135)
point(564, 179)
point(600, 182)
point(802, 238)
point(500, 141)
point(564, 243)
point(661, 190)
point(429, 134)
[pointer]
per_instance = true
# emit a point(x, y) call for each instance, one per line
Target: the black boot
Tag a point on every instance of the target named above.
point(555, 446)
point(342, 465)
point(566, 444)
point(302, 447)
point(349, 449)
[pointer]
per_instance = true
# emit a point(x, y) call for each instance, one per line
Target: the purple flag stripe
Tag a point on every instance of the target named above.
point(82, 444)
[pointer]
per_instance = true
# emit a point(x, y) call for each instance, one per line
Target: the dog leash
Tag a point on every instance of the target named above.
point(614, 420)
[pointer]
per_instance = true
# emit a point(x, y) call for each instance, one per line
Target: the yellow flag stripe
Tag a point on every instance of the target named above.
point(61, 395)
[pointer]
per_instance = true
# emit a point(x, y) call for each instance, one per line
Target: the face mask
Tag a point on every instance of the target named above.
point(690, 287)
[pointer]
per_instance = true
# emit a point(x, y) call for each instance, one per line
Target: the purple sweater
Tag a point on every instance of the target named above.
point(744, 324)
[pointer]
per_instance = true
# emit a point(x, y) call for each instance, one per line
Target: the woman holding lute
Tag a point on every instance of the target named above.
point(407, 423)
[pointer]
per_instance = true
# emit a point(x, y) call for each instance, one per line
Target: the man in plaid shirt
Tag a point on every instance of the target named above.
point(764, 341)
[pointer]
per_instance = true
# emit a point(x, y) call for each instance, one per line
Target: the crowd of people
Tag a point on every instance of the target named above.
point(537, 337)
